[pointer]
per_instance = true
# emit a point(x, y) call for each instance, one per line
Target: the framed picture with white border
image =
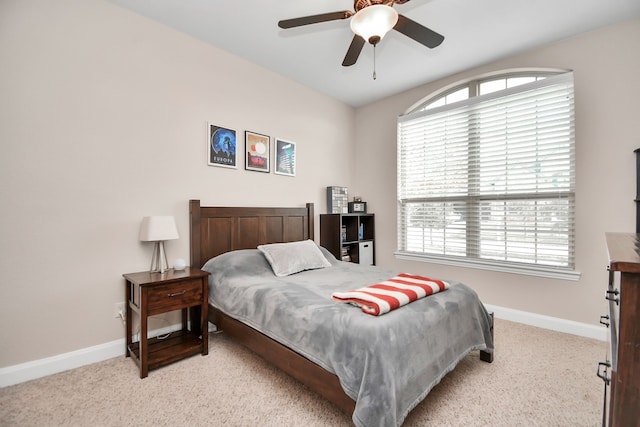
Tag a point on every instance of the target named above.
point(257, 149)
point(285, 157)
point(222, 150)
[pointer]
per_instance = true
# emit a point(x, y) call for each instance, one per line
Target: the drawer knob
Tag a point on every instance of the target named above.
point(177, 294)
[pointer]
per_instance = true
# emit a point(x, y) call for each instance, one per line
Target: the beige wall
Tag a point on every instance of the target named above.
point(103, 120)
point(606, 66)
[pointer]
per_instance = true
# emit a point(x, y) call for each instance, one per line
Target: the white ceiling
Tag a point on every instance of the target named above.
point(476, 32)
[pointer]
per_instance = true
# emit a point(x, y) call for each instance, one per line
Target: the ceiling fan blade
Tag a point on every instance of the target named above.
point(418, 32)
point(314, 19)
point(354, 51)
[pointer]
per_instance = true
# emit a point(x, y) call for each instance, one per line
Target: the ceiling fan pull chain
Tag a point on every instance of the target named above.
point(374, 62)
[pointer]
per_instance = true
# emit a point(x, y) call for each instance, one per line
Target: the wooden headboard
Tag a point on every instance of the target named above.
point(216, 230)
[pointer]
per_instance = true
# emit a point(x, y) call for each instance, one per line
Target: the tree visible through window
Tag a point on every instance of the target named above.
point(486, 174)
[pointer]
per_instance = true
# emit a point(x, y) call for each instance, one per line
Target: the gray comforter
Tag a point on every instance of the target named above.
point(387, 364)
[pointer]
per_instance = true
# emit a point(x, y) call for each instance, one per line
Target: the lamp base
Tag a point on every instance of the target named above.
point(159, 262)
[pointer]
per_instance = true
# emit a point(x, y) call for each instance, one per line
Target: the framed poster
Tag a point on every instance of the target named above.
point(222, 147)
point(257, 148)
point(285, 157)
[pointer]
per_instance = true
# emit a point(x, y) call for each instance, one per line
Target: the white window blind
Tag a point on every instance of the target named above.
point(491, 178)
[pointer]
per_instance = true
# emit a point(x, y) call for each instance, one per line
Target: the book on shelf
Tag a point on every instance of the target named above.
point(344, 254)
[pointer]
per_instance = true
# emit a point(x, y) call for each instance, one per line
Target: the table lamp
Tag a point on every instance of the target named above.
point(158, 229)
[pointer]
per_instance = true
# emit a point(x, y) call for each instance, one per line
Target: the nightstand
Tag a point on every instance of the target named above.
point(148, 294)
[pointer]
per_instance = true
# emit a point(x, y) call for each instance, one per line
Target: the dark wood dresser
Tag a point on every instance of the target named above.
point(622, 371)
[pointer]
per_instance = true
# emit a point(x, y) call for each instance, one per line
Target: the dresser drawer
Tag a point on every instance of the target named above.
point(163, 298)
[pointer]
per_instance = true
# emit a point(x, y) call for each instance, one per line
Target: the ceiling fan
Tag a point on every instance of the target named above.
point(372, 19)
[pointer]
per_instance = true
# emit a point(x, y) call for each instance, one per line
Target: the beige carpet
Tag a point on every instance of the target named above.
point(538, 378)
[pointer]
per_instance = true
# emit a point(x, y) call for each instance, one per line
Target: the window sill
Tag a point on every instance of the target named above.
point(528, 270)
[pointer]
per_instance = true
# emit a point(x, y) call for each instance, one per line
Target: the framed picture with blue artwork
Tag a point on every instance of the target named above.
point(222, 147)
point(285, 157)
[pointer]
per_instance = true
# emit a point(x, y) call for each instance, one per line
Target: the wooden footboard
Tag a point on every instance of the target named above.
point(486, 356)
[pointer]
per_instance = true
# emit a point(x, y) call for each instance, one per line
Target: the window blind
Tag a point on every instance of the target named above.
point(491, 177)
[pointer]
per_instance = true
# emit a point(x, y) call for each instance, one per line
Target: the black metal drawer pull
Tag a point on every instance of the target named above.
point(603, 375)
point(614, 298)
point(177, 294)
point(603, 321)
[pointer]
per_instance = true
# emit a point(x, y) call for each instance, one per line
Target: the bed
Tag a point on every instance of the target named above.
point(335, 349)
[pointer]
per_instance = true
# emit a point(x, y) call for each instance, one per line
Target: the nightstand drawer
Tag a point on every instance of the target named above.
point(174, 296)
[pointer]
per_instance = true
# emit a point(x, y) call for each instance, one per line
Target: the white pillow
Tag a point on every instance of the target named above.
point(293, 257)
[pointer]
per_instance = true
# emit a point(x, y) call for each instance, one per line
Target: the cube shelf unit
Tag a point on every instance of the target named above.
point(349, 237)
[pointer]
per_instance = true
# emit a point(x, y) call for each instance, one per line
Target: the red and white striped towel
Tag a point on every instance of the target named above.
point(385, 296)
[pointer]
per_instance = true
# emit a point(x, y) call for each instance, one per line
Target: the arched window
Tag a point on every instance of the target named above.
point(486, 175)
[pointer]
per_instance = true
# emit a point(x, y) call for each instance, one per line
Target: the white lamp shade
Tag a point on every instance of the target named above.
point(158, 228)
point(376, 20)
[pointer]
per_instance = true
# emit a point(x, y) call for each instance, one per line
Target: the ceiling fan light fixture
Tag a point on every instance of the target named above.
point(373, 22)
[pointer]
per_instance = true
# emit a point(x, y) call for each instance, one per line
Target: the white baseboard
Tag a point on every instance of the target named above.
point(63, 362)
point(51, 365)
point(548, 322)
